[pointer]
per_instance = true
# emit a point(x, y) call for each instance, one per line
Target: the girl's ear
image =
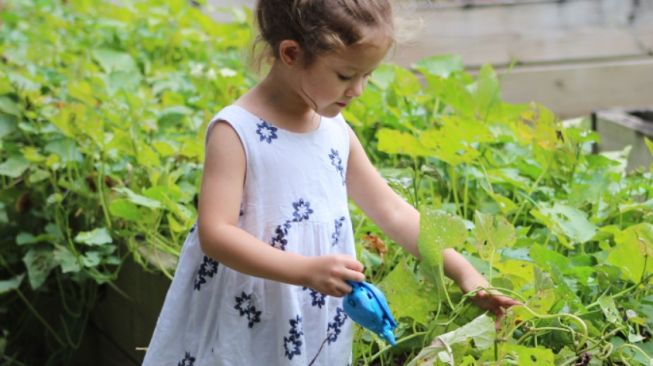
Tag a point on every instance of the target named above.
point(290, 52)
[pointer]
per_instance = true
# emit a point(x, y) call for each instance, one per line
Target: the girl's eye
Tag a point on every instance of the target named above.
point(344, 78)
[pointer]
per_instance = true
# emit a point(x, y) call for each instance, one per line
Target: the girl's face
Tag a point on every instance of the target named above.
point(334, 79)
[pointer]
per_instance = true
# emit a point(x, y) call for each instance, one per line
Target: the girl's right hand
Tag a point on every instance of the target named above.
point(327, 274)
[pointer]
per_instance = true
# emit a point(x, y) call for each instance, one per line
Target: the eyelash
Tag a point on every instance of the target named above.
point(347, 78)
point(344, 78)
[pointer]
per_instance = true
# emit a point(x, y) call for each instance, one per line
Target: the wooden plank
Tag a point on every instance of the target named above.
point(579, 89)
point(537, 32)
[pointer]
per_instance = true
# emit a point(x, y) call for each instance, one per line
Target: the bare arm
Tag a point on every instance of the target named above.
point(220, 237)
point(396, 217)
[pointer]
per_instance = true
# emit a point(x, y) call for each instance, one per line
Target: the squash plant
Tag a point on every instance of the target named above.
point(102, 116)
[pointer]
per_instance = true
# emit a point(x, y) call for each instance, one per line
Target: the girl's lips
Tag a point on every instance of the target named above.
point(341, 104)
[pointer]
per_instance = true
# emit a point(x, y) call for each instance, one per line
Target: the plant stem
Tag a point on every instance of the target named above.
point(40, 318)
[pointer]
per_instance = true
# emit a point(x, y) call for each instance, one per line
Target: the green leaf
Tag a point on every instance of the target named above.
point(125, 210)
point(111, 60)
point(138, 199)
point(39, 263)
point(383, 76)
point(8, 106)
point(492, 233)
point(610, 310)
point(395, 142)
point(11, 284)
point(14, 167)
point(480, 330)
point(66, 149)
point(527, 356)
point(66, 260)
point(440, 65)
point(7, 125)
point(99, 236)
point(634, 252)
point(438, 231)
point(566, 221)
point(91, 259)
point(26, 238)
point(486, 91)
point(406, 296)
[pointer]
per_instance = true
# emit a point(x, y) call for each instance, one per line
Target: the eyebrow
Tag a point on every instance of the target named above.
point(355, 69)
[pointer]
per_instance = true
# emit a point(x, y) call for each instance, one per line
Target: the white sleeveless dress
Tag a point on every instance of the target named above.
point(294, 199)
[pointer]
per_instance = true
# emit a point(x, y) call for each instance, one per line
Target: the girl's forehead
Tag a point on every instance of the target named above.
point(363, 56)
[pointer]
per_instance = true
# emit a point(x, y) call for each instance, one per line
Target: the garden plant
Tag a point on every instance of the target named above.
point(103, 109)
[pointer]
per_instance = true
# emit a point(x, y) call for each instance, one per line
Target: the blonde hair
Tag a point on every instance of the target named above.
point(319, 26)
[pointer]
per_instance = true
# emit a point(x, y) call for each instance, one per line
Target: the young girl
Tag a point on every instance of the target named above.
point(261, 277)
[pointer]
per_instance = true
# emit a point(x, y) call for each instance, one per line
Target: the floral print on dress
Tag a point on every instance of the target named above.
point(293, 341)
point(266, 132)
point(245, 306)
point(302, 210)
point(208, 268)
point(317, 298)
point(279, 239)
point(187, 361)
point(336, 161)
point(335, 237)
point(333, 329)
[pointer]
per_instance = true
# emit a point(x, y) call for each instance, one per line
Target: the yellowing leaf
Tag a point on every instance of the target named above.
point(395, 142)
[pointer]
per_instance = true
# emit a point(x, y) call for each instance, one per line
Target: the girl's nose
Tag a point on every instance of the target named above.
point(356, 89)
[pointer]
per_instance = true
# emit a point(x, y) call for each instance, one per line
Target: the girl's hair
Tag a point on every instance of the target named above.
point(320, 26)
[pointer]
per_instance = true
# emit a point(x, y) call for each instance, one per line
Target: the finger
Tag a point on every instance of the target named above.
point(354, 276)
point(342, 290)
point(354, 265)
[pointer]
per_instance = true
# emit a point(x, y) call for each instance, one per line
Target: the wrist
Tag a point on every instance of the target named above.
point(471, 281)
point(302, 269)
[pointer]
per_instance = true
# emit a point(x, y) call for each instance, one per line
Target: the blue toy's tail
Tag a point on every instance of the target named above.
point(367, 306)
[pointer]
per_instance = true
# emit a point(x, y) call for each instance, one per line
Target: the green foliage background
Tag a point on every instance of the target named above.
point(102, 115)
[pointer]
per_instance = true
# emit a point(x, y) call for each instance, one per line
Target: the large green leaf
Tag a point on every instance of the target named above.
point(480, 330)
point(438, 231)
point(406, 296)
point(568, 223)
point(634, 252)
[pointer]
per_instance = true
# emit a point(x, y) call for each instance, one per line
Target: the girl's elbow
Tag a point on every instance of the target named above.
point(211, 239)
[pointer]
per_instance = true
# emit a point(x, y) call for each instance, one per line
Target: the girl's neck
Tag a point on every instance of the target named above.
point(275, 99)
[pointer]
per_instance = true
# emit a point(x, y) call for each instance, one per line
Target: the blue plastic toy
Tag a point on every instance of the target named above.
point(367, 306)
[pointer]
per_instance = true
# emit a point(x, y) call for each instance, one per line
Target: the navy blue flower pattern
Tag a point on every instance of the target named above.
point(208, 268)
point(187, 361)
point(279, 239)
point(317, 298)
point(266, 132)
point(293, 341)
point(302, 211)
point(192, 228)
point(336, 161)
point(333, 329)
point(245, 306)
point(335, 237)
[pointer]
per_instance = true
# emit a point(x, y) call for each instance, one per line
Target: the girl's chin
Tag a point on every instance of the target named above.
point(330, 111)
